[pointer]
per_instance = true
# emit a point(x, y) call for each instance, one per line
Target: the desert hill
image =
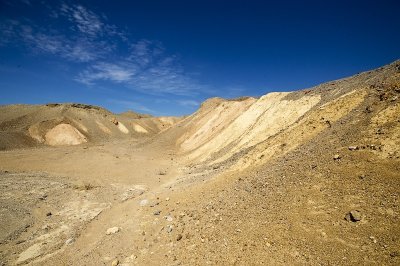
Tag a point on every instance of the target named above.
point(309, 177)
point(72, 124)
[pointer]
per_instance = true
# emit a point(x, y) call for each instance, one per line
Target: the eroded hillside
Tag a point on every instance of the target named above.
point(72, 124)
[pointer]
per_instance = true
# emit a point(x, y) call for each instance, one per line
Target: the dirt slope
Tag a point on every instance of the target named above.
point(280, 194)
point(300, 178)
point(71, 124)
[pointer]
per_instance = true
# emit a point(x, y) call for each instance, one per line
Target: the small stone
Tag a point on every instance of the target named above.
point(114, 121)
point(112, 230)
point(154, 204)
point(43, 197)
point(179, 237)
point(395, 254)
point(168, 218)
point(115, 262)
point(157, 212)
point(167, 199)
point(353, 216)
point(353, 148)
point(69, 241)
point(46, 227)
point(373, 239)
point(336, 157)
point(143, 202)
point(169, 228)
point(48, 214)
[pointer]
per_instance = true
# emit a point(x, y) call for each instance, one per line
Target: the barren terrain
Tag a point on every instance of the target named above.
point(307, 177)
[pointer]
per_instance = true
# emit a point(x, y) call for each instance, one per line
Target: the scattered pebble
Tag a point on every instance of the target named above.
point(43, 197)
point(169, 228)
point(179, 237)
point(112, 230)
point(157, 212)
point(143, 202)
point(353, 216)
point(115, 262)
point(168, 218)
point(336, 157)
point(69, 241)
point(353, 148)
point(48, 214)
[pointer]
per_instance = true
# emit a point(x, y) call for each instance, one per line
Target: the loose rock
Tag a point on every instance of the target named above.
point(353, 216)
point(143, 202)
point(112, 230)
point(169, 228)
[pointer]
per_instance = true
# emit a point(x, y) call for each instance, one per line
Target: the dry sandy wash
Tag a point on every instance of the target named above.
point(307, 177)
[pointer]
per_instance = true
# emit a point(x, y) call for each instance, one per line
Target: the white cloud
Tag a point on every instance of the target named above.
point(188, 103)
point(131, 105)
point(147, 69)
point(87, 22)
point(103, 51)
point(106, 71)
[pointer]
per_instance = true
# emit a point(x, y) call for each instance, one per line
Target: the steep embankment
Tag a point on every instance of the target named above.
point(72, 124)
point(251, 131)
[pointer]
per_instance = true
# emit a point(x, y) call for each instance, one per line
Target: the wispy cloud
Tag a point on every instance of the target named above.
point(104, 52)
point(87, 22)
point(188, 103)
point(106, 71)
point(131, 105)
point(85, 38)
point(147, 69)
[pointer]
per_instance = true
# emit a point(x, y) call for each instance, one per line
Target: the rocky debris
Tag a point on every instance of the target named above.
point(168, 218)
point(169, 228)
point(353, 216)
point(115, 262)
point(353, 148)
point(132, 193)
point(112, 230)
point(162, 172)
point(43, 197)
point(395, 254)
point(48, 214)
point(179, 237)
point(114, 121)
point(154, 204)
point(143, 202)
point(157, 212)
point(69, 241)
point(336, 157)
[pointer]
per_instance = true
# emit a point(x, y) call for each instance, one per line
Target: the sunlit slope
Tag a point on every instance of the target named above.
point(250, 131)
point(72, 124)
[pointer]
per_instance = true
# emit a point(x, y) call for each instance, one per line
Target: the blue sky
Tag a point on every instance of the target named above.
point(166, 57)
